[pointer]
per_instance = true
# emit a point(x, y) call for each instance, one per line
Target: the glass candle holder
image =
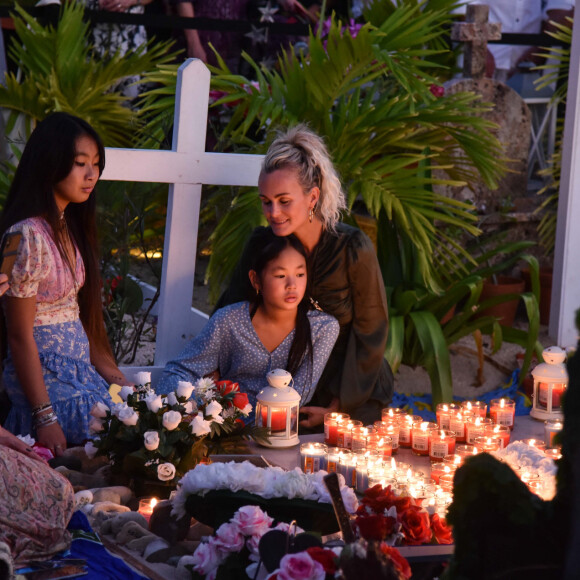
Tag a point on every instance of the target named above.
point(360, 437)
point(313, 457)
point(331, 423)
point(146, 506)
point(551, 428)
point(365, 460)
point(501, 432)
point(442, 443)
point(478, 408)
point(421, 437)
point(554, 453)
point(389, 429)
point(381, 443)
point(333, 455)
point(344, 433)
point(457, 424)
point(405, 427)
point(487, 444)
point(536, 443)
point(443, 412)
point(348, 467)
point(446, 482)
point(454, 460)
point(502, 412)
point(464, 450)
point(475, 427)
point(438, 469)
point(392, 413)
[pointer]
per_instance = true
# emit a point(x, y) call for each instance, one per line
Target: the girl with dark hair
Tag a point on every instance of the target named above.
point(59, 361)
point(273, 328)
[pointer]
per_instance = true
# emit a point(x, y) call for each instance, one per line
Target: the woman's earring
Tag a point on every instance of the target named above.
point(310, 215)
point(257, 291)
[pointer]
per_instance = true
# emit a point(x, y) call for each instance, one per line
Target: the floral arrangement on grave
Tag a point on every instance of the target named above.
point(394, 519)
point(162, 437)
point(250, 543)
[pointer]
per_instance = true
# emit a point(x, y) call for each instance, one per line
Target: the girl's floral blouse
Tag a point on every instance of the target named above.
point(40, 271)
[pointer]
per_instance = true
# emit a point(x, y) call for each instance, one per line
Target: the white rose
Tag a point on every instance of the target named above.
point(171, 419)
point(184, 389)
point(199, 426)
point(128, 416)
point(95, 425)
point(213, 409)
point(29, 440)
point(246, 410)
point(151, 439)
point(143, 378)
point(99, 410)
point(125, 392)
point(154, 402)
point(165, 471)
point(190, 407)
point(90, 449)
point(171, 399)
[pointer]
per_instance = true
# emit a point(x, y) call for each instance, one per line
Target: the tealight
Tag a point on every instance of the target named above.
point(442, 443)
point(502, 412)
point(501, 432)
point(146, 506)
point(313, 457)
point(487, 444)
point(475, 427)
point(551, 428)
point(392, 413)
point(537, 443)
point(443, 412)
point(478, 408)
point(421, 437)
point(344, 433)
point(405, 427)
point(331, 423)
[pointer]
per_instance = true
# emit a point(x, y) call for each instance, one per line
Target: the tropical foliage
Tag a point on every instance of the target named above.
point(555, 72)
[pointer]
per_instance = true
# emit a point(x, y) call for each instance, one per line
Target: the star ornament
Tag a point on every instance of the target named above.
point(268, 12)
point(258, 35)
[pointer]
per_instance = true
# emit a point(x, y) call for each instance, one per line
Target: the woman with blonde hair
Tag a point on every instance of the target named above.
point(301, 194)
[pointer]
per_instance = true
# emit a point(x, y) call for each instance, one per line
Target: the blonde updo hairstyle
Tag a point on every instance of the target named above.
point(303, 151)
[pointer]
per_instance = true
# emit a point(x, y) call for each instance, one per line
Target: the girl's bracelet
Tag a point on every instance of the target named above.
point(45, 420)
point(42, 407)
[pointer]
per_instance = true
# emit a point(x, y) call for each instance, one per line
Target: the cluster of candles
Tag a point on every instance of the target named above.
point(364, 454)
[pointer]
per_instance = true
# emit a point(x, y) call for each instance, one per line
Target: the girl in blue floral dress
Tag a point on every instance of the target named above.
point(59, 362)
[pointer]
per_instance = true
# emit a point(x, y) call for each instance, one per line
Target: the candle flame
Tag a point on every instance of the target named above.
point(478, 421)
point(468, 404)
point(154, 502)
point(393, 464)
point(424, 426)
point(489, 440)
point(447, 469)
point(502, 403)
point(457, 460)
point(496, 429)
point(381, 442)
point(409, 473)
point(445, 408)
point(532, 442)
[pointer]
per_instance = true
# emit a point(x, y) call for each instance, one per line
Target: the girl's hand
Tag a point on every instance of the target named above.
point(52, 437)
point(11, 441)
point(316, 414)
point(3, 284)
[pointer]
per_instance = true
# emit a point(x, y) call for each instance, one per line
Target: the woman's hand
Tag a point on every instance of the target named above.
point(116, 5)
point(316, 414)
point(52, 437)
point(3, 284)
point(11, 441)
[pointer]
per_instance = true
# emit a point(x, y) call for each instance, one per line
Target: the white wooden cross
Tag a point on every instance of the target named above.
point(186, 167)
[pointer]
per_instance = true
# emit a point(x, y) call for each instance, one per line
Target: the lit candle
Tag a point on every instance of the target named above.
point(439, 469)
point(475, 427)
point(558, 390)
point(457, 424)
point(478, 408)
point(331, 423)
point(551, 428)
point(555, 453)
point(360, 437)
point(389, 429)
point(442, 443)
point(421, 436)
point(454, 460)
point(487, 444)
point(443, 412)
point(502, 412)
point(536, 443)
point(392, 413)
point(382, 443)
point(501, 432)
point(344, 433)
point(465, 450)
point(313, 457)
point(277, 418)
point(405, 426)
point(333, 455)
point(347, 466)
point(446, 481)
point(146, 506)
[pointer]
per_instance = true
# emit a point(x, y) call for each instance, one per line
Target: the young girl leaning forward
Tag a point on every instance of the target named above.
point(274, 328)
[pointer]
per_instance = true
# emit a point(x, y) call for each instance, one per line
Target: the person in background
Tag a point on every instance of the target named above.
point(301, 194)
point(59, 362)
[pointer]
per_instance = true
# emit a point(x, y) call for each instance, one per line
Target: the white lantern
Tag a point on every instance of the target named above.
point(550, 384)
point(277, 409)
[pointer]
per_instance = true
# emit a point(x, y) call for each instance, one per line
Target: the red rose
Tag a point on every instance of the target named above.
point(240, 400)
point(325, 557)
point(442, 532)
point(415, 526)
point(399, 562)
point(372, 527)
point(227, 387)
point(437, 91)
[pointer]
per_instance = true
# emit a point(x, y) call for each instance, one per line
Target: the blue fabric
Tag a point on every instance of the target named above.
point(86, 545)
point(422, 405)
point(73, 384)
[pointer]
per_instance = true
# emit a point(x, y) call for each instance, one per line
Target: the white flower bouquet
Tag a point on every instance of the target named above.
point(161, 437)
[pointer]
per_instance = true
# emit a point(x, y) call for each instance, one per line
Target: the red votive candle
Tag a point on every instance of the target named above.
point(439, 468)
point(558, 390)
point(503, 411)
point(443, 412)
point(457, 424)
point(390, 429)
point(421, 436)
point(331, 423)
point(277, 418)
point(405, 427)
point(500, 432)
point(475, 427)
point(441, 443)
point(392, 413)
point(475, 407)
point(344, 433)
point(487, 444)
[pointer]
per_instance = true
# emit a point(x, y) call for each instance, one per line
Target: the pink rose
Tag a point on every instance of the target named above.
point(228, 538)
point(206, 558)
point(252, 520)
point(300, 567)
